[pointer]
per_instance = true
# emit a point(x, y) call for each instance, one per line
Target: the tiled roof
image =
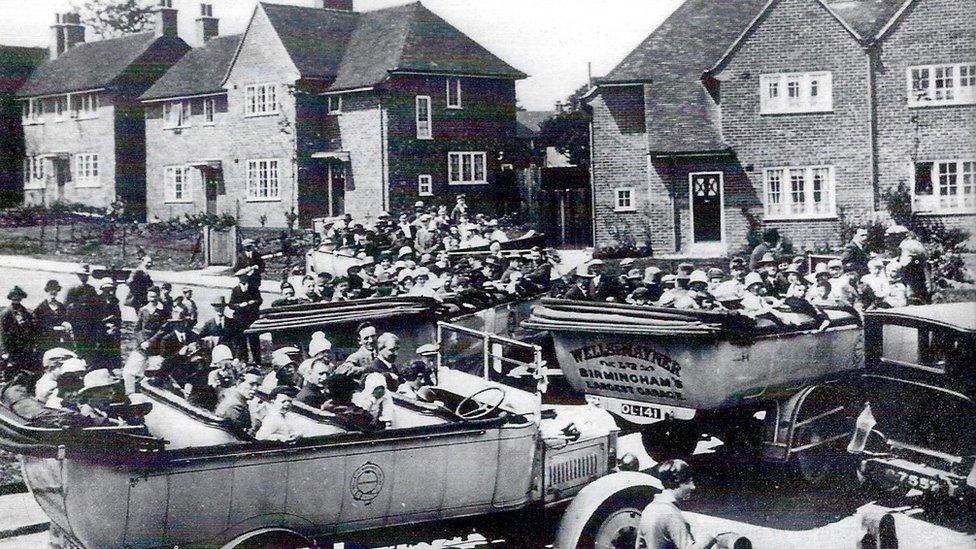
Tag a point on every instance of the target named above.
point(16, 64)
point(529, 123)
point(360, 49)
point(200, 71)
point(680, 115)
point(866, 17)
point(315, 38)
point(95, 64)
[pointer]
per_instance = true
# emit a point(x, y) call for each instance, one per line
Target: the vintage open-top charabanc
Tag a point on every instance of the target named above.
point(481, 448)
point(917, 429)
point(676, 375)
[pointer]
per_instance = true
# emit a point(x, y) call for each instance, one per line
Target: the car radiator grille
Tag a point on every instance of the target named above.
point(570, 469)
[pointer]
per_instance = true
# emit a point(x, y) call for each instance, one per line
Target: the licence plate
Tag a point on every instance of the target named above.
point(638, 412)
point(919, 482)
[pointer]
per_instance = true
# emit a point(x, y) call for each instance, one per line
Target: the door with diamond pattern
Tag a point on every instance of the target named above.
point(706, 206)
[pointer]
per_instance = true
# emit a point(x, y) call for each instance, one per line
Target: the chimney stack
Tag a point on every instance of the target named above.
point(165, 19)
point(66, 33)
point(341, 5)
point(208, 26)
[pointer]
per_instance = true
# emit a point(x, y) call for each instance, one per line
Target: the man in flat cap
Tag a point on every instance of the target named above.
point(245, 303)
point(250, 259)
point(18, 334)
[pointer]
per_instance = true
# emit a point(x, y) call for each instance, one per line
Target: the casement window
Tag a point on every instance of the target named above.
point(60, 107)
point(32, 110)
point(177, 114)
point(260, 99)
point(335, 104)
point(34, 172)
point(263, 180)
point(424, 124)
point(454, 93)
point(86, 170)
point(425, 185)
point(178, 186)
point(949, 84)
point(800, 192)
point(209, 110)
point(623, 200)
point(84, 105)
point(945, 186)
point(787, 93)
point(466, 168)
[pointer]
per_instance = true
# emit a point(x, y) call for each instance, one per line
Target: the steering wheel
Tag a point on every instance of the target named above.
point(481, 410)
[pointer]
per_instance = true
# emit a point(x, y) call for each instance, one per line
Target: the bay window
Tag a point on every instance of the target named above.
point(464, 168)
point(799, 192)
point(945, 186)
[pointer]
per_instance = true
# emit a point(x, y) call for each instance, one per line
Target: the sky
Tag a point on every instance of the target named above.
point(551, 40)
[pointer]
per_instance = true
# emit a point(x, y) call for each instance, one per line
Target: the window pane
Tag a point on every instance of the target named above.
point(773, 90)
point(466, 162)
point(797, 192)
point(920, 84)
point(455, 167)
point(793, 89)
point(479, 167)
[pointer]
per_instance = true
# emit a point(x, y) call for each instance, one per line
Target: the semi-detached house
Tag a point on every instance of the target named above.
point(322, 111)
point(83, 125)
point(794, 114)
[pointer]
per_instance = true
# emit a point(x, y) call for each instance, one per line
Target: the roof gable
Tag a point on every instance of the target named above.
point(17, 64)
point(93, 65)
point(315, 38)
point(374, 48)
point(867, 17)
point(200, 71)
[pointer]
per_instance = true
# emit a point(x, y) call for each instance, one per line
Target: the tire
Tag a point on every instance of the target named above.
point(819, 466)
point(614, 524)
point(273, 540)
point(670, 441)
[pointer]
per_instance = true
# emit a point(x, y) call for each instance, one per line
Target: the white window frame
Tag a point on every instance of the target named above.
point(814, 92)
point(176, 114)
point(61, 107)
point(87, 171)
point(33, 111)
point(454, 83)
point(209, 111)
point(787, 193)
point(425, 185)
point(261, 99)
point(271, 180)
point(425, 128)
point(964, 177)
point(178, 183)
point(625, 199)
point(34, 172)
point(960, 91)
point(334, 104)
point(469, 158)
point(84, 106)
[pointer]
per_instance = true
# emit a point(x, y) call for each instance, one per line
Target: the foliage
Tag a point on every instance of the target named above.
point(112, 18)
point(569, 131)
point(754, 235)
point(624, 244)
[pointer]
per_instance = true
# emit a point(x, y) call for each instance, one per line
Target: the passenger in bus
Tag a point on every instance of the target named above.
point(415, 377)
point(671, 291)
point(275, 425)
point(387, 348)
point(364, 356)
point(757, 305)
point(288, 297)
point(47, 389)
point(233, 405)
point(283, 370)
point(313, 393)
point(375, 399)
point(52, 361)
point(341, 389)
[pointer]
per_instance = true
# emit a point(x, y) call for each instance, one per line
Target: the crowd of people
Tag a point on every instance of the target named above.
point(768, 284)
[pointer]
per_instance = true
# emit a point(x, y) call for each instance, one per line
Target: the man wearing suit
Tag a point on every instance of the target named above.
point(218, 327)
point(245, 303)
point(387, 348)
point(79, 302)
point(18, 334)
point(107, 336)
point(855, 257)
point(49, 318)
point(602, 287)
point(175, 345)
point(233, 404)
point(250, 259)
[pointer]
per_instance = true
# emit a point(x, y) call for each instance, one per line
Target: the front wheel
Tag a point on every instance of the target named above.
point(614, 524)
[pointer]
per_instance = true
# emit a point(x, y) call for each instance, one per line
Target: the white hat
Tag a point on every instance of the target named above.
point(73, 365)
point(699, 276)
point(56, 354)
point(98, 378)
point(753, 278)
point(896, 229)
point(106, 282)
point(428, 349)
point(281, 357)
point(405, 250)
point(220, 353)
point(595, 262)
point(319, 345)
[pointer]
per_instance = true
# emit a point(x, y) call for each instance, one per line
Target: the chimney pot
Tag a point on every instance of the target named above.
point(208, 26)
point(166, 23)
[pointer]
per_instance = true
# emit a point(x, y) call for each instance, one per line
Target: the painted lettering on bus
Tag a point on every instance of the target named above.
point(649, 356)
point(644, 385)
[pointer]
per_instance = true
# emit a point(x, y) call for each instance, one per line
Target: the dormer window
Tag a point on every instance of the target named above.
point(177, 114)
point(454, 93)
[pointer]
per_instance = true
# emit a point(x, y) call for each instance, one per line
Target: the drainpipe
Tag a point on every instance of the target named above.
point(592, 189)
point(384, 177)
point(872, 50)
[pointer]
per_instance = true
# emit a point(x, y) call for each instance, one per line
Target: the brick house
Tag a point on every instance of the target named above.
point(83, 125)
point(762, 113)
point(327, 111)
point(16, 65)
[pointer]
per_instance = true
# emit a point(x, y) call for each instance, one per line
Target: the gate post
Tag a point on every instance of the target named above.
point(219, 246)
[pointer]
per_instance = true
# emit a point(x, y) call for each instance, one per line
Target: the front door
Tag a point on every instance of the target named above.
point(337, 188)
point(62, 174)
point(706, 206)
point(211, 188)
